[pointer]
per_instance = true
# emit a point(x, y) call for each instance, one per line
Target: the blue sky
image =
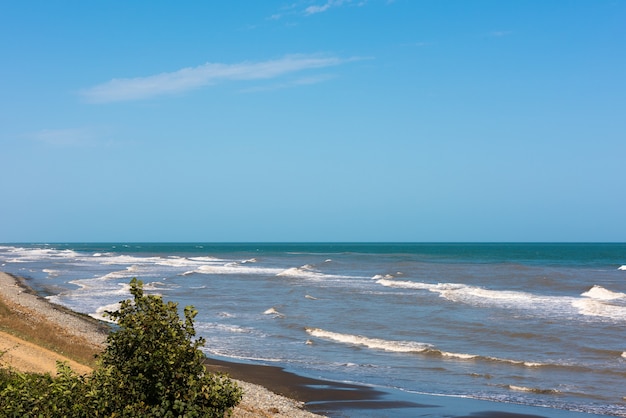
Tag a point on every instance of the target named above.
point(321, 120)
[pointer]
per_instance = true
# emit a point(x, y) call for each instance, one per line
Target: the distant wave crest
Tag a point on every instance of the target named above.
point(596, 302)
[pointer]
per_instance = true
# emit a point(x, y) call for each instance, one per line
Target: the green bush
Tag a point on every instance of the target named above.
point(152, 367)
point(41, 395)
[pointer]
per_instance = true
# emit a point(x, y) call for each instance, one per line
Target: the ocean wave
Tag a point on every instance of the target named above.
point(601, 302)
point(130, 272)
point(412, 347)
point(176, 262)
point(25, 255)
point(596, 302)
point(533, 390)
point(127, 259)
point(463, 356)
point(598, 308)
point(227, 328)
point(158, 286)
point(205, 259)
point(307, 272)
point(101, 312)
point(622, 267)
point(273, 311)
point(233, 268)
point(375, 343)
point(599, 292)
point(457, 292)
point(51, 272)
point(383, 277)
point(229, 354)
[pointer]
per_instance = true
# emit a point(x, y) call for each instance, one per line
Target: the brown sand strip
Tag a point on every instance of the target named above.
point(28, 357)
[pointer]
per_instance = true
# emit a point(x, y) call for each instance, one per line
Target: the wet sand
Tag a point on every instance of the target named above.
point(337, 399)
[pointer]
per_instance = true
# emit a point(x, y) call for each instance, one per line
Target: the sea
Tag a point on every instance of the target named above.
point(535, 324)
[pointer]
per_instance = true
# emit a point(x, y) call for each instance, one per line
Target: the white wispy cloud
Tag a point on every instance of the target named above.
point(126, 89)
point(69, 137)
point(299, 9)
point(302, 81)
point(324, 7)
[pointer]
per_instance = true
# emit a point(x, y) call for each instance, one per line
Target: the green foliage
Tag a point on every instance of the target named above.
point(36, 395)
point(152, 367)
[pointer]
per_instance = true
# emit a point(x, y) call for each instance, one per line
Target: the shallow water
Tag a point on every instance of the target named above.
point(535, 324)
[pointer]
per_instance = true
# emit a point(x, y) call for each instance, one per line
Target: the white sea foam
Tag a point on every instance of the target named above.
point(622, 267)
point(176, 262)
point(25, 255)
point(533, 390)
point(128, 259)
point(599, 292)
point(598, 308)
point(102, 310)
point(601, 302)
point(120, 274)
point(304, 272)
point(594, 302)
point(273, 311)
point(479, 296)
point(461, 356)
point(410, 347)
point(226, 328)
point(374, 343)
point(232, 268)
point(386, 277)
point(206, 259)
point(223, 328)
point(157, 286)
point(294, 272)
point(98, 288)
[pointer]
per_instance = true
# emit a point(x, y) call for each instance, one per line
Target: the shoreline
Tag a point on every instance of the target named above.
point(272, 391)
point(22, 301)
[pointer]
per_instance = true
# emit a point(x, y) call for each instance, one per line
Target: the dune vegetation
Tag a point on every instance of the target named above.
point(152, 366)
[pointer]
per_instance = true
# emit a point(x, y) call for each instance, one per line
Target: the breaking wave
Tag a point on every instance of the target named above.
point(596, 302)
point(309, 273)
point(599, 292)
point(408, 347)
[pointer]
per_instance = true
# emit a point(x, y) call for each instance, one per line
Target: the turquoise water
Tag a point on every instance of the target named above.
point(534, 324)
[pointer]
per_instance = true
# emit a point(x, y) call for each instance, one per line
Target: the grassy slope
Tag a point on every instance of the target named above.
point(31, 326)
